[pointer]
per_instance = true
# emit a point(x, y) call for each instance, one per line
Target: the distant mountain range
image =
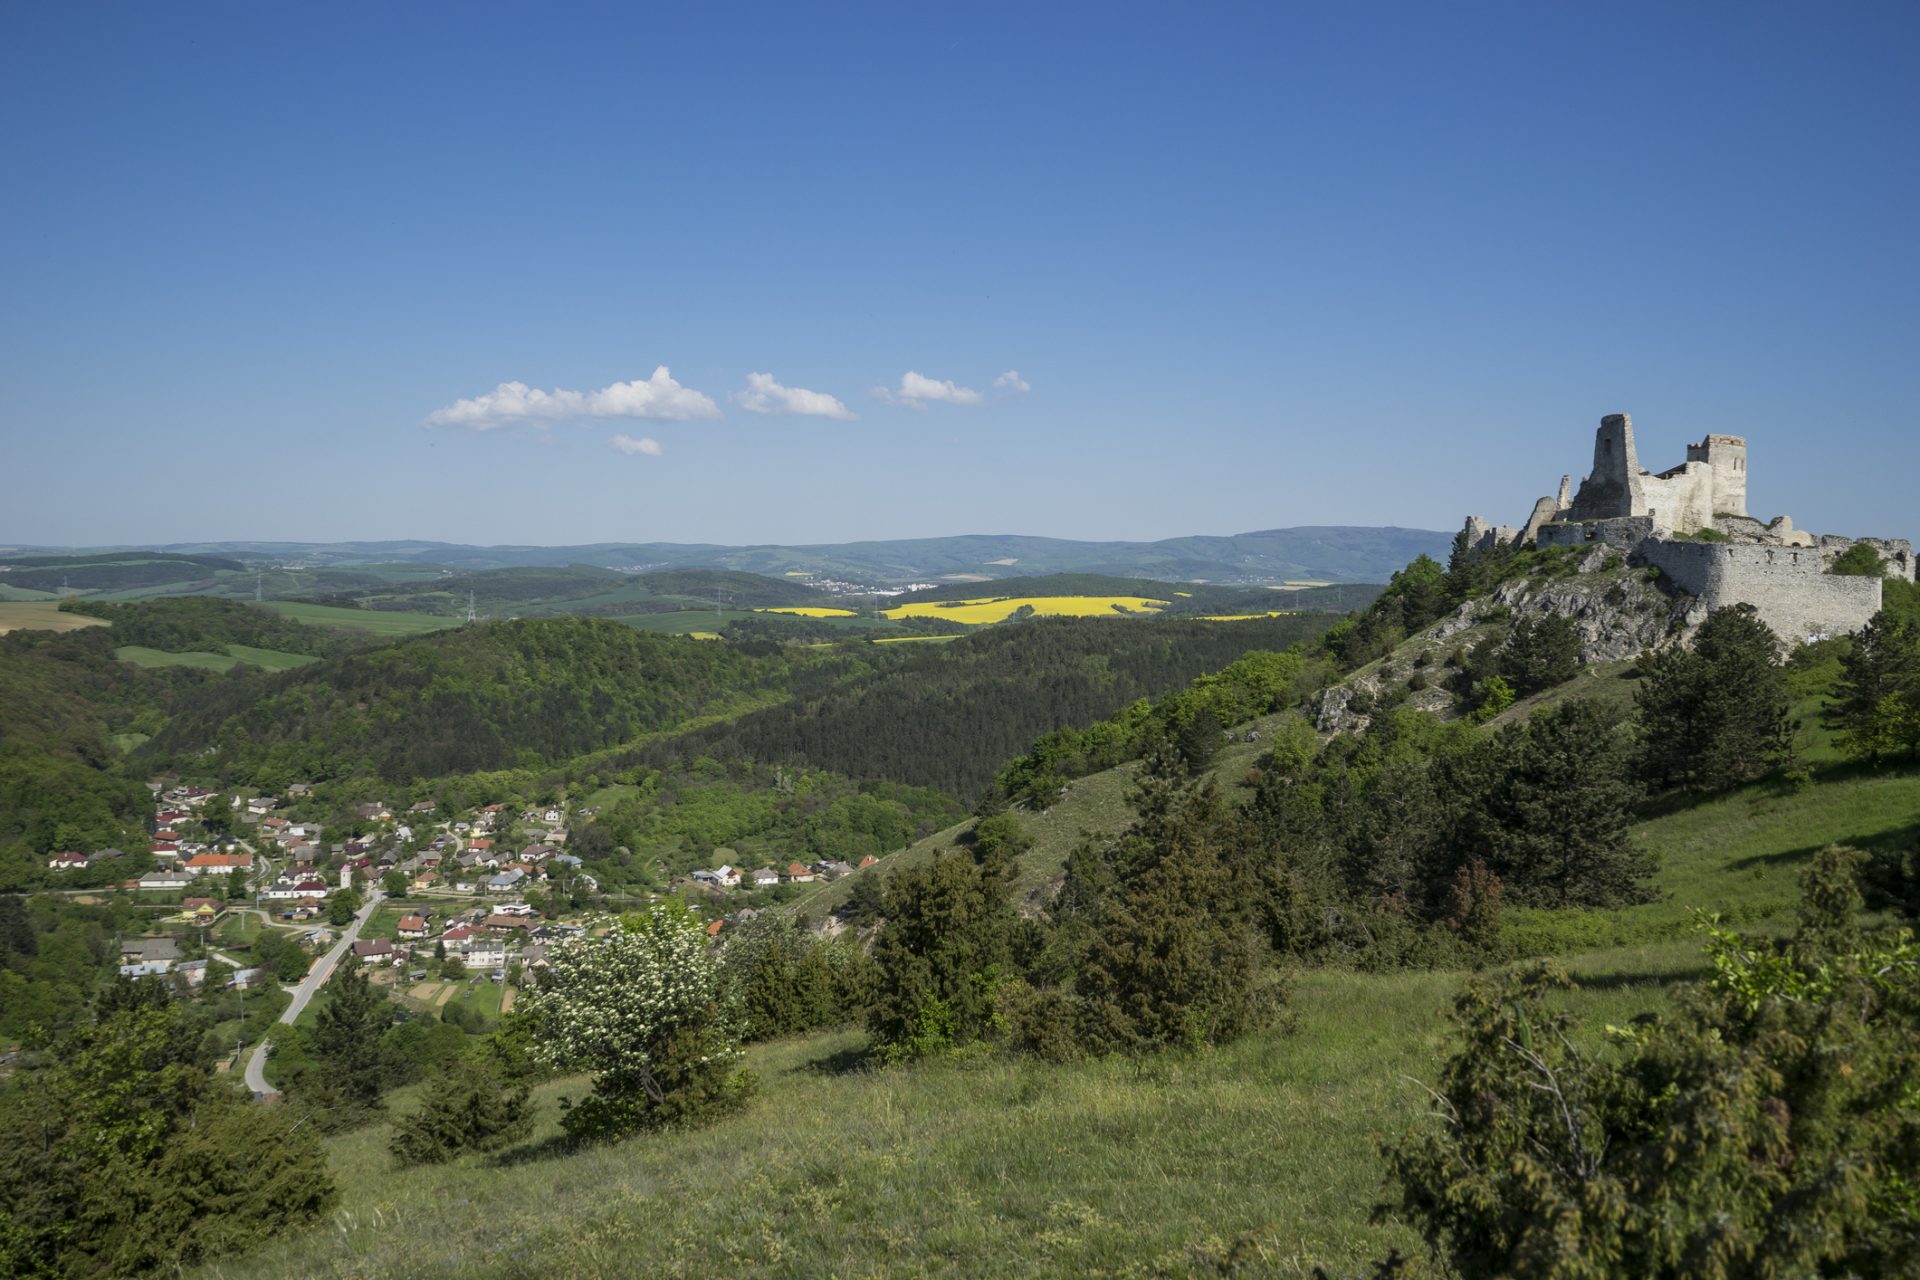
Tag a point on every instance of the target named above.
point(1314, 553)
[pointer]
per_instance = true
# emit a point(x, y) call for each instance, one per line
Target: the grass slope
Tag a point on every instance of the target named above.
point(236, 655)
point(377, 622)
point(41, 615)
point(991, 1166)
point(983, 1167)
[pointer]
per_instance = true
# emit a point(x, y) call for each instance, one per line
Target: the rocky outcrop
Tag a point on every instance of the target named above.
point(1618, 611)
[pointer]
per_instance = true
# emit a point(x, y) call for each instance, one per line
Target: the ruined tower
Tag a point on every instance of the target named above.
point(1726, 456)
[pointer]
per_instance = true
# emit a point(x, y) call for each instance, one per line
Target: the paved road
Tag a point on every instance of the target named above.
point(316, 978)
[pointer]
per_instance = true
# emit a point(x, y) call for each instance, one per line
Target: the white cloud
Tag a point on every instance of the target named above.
point(645, 444)
point(659, 398)
point(1011, 381)
point(917, 391)
point(764, 395)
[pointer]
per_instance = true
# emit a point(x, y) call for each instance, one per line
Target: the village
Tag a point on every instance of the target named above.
point(445, 910)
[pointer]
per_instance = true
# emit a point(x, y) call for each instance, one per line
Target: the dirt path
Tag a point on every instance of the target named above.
point(506, 1000)
point(452, 989)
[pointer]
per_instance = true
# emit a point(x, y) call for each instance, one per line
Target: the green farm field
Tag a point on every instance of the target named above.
point(41, 615)
point(236, 655)
point(375, 622)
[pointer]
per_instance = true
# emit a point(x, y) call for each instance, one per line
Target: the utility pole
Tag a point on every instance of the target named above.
point(470, 616)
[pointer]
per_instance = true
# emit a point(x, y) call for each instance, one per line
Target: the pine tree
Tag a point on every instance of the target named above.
point(1716, 715)
point(1554, 822)
point(1540, 653)
point(1876, 702)
point(347, 1046)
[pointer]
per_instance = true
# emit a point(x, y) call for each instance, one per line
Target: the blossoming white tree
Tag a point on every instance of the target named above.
point(642, 1007)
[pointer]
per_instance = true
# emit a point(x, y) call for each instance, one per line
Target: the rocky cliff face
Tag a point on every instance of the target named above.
point(1619, 613)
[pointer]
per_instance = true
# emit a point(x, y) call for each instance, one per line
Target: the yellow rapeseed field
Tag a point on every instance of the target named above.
point(1245, 617)
point(809, 611)
point(1000, 608)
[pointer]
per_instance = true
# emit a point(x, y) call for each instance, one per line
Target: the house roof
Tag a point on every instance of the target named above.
point(220, 860)
point(151, 949)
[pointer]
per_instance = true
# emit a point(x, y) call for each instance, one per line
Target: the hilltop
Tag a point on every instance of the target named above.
point(1333, 553)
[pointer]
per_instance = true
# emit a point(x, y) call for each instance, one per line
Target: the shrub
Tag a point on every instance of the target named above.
point(644, 1009)
point(128, 1154)
point(1859, 561)
point(467, 1107)
point(1763, 1127)
point(940, 958)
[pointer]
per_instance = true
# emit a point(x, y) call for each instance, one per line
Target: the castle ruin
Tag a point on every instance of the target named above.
point(1691, 524)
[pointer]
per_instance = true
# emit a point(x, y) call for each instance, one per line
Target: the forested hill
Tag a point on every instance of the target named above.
point(490, 696)
point(181, 624)
point(950, 715)
point(1333, 553)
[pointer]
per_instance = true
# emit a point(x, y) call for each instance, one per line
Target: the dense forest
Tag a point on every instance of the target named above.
point(490, 696)
point(950, 715)
point(183, 624)
point(64, 784)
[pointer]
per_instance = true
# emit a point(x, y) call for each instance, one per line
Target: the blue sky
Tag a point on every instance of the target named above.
point(1255, 265)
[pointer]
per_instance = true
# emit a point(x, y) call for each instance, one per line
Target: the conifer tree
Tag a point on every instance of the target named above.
point(346, 1042)
point(945, 948)
point(1554, 822)
point(1876, 702)
point(1715, 715)
point(1540, 653)
point(466, 1107)
point(1170, 956)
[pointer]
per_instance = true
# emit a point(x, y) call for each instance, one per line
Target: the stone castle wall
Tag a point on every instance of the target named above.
point(1625, 534)
point(1787, 585)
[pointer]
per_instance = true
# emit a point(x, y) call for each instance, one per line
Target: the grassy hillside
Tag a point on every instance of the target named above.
point(41, 615)
point(960, 1168)
point(990, 1165)
point(378, 622)
point(1738, 854)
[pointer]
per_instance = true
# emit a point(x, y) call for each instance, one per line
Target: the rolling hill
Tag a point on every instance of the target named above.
point(1325, 553)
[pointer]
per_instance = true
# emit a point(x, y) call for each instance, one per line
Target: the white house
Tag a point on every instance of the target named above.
point(483, 952)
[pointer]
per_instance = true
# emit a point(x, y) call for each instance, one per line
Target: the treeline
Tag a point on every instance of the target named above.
point(950, 715)
point(494, 696)
point(185, 624)
point(1190, 721)
point(113, 571)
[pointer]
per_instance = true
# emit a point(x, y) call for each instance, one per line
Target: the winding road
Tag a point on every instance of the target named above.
point(309, 986)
